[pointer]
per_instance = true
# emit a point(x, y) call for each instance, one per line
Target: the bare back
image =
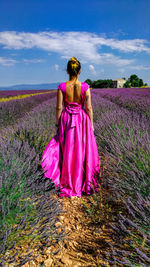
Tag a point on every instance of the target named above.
point(73, 92)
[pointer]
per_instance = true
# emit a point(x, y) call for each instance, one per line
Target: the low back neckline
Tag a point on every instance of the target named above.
point(73, 102)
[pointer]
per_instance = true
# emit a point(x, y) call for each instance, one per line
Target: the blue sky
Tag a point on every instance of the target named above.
point(111, 39)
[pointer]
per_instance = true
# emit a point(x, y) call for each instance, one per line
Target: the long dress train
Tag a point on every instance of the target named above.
point(71, 157)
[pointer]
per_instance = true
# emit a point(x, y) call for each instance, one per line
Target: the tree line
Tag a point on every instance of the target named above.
point(132, 81)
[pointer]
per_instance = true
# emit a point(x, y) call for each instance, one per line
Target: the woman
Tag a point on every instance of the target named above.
point(71, 158)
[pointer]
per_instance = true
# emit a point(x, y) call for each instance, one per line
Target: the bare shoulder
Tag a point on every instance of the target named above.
point(88, 92)
point(59, 92)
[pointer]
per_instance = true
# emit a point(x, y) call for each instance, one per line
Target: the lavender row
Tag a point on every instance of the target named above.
point(141, 92)
point(20, 92)
point(133, 99)
point(15, 109)
point(26, 196)
point(124, 138)
point(26, 203)
point(37, 127)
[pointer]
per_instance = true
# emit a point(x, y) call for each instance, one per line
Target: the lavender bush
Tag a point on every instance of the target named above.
point(26, 204)
point(15, 109)
point(124, 137)
point(37, 127)
point(26, 196)
point(134, 99)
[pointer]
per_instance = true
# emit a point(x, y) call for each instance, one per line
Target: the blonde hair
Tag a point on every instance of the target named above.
point(73, 66)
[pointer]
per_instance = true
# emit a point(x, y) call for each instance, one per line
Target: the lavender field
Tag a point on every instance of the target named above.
point(4, 93)
point(122, 131)
point(15, 109)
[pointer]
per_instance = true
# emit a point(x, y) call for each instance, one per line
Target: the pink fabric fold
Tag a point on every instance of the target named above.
point(74, 109)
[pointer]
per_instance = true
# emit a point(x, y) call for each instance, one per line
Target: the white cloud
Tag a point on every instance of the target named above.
point(92, 68)
point(7, 61)
point(139, 67)
point(56, 66)
point(131, 67)
point(10, 62)
point(85, 46)
point(136, 45)
point(33, 60)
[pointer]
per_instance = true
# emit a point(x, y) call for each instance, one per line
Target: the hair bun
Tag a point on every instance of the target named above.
point(73, 59)
point(73, 66)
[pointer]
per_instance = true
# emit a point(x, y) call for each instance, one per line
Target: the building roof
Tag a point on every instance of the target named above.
point(119, 79)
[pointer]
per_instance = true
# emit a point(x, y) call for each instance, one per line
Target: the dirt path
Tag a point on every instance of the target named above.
point(83, 243)
point(85, 240)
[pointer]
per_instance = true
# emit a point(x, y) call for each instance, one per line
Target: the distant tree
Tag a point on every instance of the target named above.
point(97, 84)
point(135, 81)
point(90, 82)
point(141, 82)
point(134, 77)
point(103, 84)
point(109, 83)
point(127, 84)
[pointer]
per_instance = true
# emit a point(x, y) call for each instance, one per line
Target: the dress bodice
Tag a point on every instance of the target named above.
point(84, 88)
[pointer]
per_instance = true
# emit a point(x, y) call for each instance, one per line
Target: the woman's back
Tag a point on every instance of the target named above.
point(73, 92)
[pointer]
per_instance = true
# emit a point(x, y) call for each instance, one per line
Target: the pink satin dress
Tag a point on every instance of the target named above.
point(71, 157)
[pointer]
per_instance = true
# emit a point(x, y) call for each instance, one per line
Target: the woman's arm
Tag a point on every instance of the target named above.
point(59, 105)
point(88, 106)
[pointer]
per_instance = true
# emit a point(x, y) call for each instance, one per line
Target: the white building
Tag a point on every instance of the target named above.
point(119, 83)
